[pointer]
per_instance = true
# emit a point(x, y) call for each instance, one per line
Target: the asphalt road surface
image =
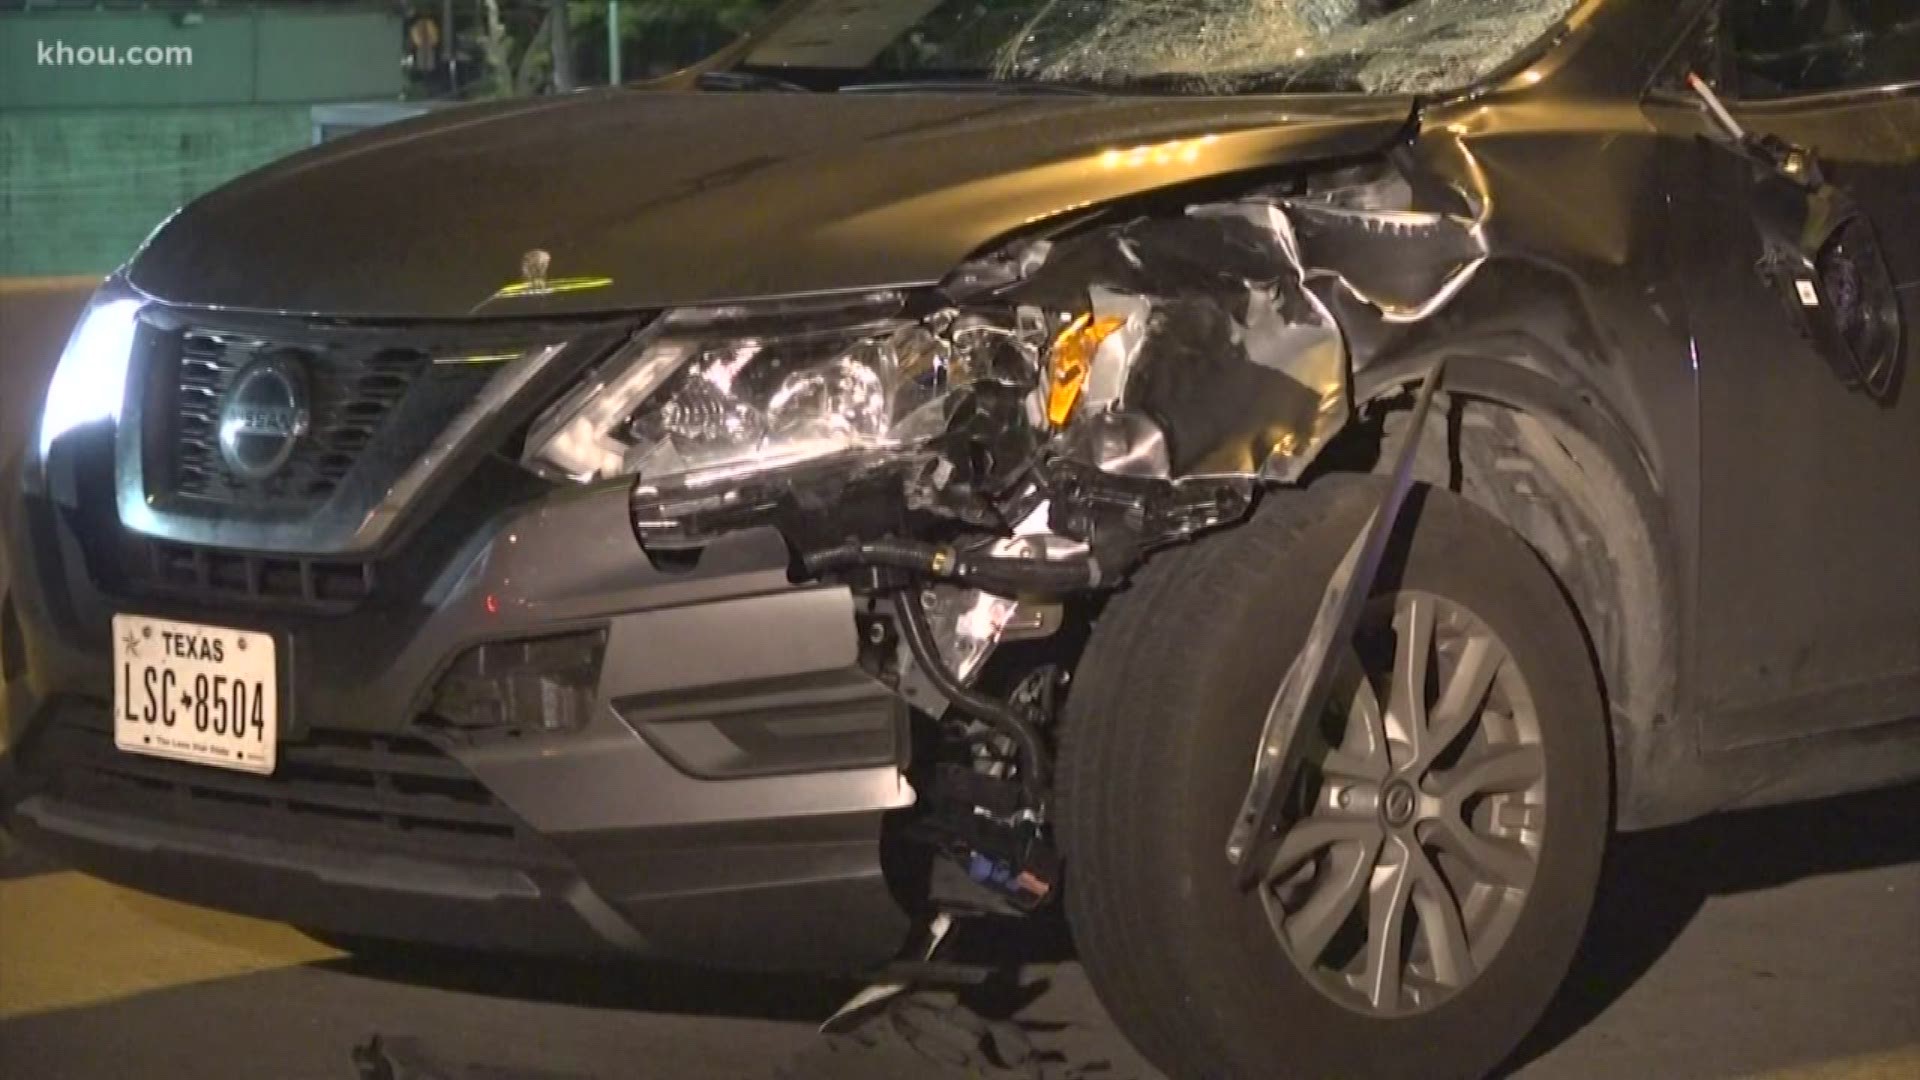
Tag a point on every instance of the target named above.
point(1778, 944)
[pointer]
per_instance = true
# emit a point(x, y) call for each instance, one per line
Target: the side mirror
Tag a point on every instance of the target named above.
point(1824, 260)
point(1822, 257)
point(1799, 164)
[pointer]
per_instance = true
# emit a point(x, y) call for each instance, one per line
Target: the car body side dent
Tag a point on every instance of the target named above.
point(1545, 264)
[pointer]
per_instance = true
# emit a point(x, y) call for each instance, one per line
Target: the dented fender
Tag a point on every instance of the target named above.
point(1231, 359)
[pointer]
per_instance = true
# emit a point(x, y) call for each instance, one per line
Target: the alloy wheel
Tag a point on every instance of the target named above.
point(1415, 831)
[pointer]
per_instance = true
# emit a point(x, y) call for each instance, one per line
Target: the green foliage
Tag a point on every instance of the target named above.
point(662, 35)
point(640, 16)
point(657, 36)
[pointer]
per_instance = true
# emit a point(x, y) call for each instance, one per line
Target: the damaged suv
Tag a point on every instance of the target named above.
point(1280, 480)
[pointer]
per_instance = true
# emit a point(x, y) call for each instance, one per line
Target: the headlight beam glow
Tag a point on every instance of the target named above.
point(91, 379)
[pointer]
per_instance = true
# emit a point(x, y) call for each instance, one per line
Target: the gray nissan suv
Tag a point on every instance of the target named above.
point(1278, 482)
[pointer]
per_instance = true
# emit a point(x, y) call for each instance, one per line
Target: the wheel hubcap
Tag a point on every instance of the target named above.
point(1397, 809)
point(1414, 832)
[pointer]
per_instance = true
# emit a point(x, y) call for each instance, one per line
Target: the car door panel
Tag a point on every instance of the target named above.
point(1810, 580)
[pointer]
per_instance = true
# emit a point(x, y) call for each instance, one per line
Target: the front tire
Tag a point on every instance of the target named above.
point(1434, 875)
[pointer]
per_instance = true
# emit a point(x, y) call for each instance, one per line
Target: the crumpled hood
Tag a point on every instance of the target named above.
point(644, 199)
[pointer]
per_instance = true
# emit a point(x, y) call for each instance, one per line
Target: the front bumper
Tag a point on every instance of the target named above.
point(722, 804)
point(154, 828)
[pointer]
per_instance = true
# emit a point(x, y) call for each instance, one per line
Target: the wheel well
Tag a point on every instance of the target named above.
point(1565, 493)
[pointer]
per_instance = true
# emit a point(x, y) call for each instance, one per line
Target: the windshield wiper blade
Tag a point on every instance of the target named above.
point(735, 79)
point(1299, 82)
point(972, 86)
point(1277, 81)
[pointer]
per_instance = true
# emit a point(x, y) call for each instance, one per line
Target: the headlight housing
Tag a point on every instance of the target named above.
point(699, 404)
point(89, 384)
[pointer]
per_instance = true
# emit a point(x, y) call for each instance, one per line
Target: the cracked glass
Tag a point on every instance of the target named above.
point(1170, 46)
point(1227, 46)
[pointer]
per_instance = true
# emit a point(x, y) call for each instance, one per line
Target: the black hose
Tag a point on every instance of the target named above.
point(898, 554)
point(990, 573)
point(1002, 716)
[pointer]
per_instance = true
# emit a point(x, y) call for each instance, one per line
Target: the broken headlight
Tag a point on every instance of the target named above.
point(695, 405)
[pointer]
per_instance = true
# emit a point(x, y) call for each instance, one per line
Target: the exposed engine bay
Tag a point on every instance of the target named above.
point(985, 462)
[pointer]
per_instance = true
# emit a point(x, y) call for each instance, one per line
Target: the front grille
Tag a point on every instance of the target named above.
point(353, 389)
point(387, 794)
point(341, 429)
point(206, 574)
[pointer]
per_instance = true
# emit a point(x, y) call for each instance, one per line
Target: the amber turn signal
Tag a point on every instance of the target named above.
point(1070, 361)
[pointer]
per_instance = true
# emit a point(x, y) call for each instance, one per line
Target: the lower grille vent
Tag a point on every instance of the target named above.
point(267, 581)
point(386, 793)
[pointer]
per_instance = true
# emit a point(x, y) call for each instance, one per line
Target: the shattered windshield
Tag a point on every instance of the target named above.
point(1180, 46)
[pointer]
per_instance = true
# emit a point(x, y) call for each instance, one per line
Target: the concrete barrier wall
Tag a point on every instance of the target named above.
point(35, 318)
point(235, 54)
point(36, 314)
point(79, 189)
point(93, 155)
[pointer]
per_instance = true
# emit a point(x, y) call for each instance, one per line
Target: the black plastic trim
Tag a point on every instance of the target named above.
point(386, 896)
point(816, 722)
point(13, 649)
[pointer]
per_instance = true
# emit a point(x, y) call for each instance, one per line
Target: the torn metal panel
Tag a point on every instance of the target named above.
point(1121, 444)
point(1229, 360)
point(1223, 357)
point(1406, 263)
point(1205, 351)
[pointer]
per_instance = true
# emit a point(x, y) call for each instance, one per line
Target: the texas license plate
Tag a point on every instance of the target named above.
point(205, 694)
